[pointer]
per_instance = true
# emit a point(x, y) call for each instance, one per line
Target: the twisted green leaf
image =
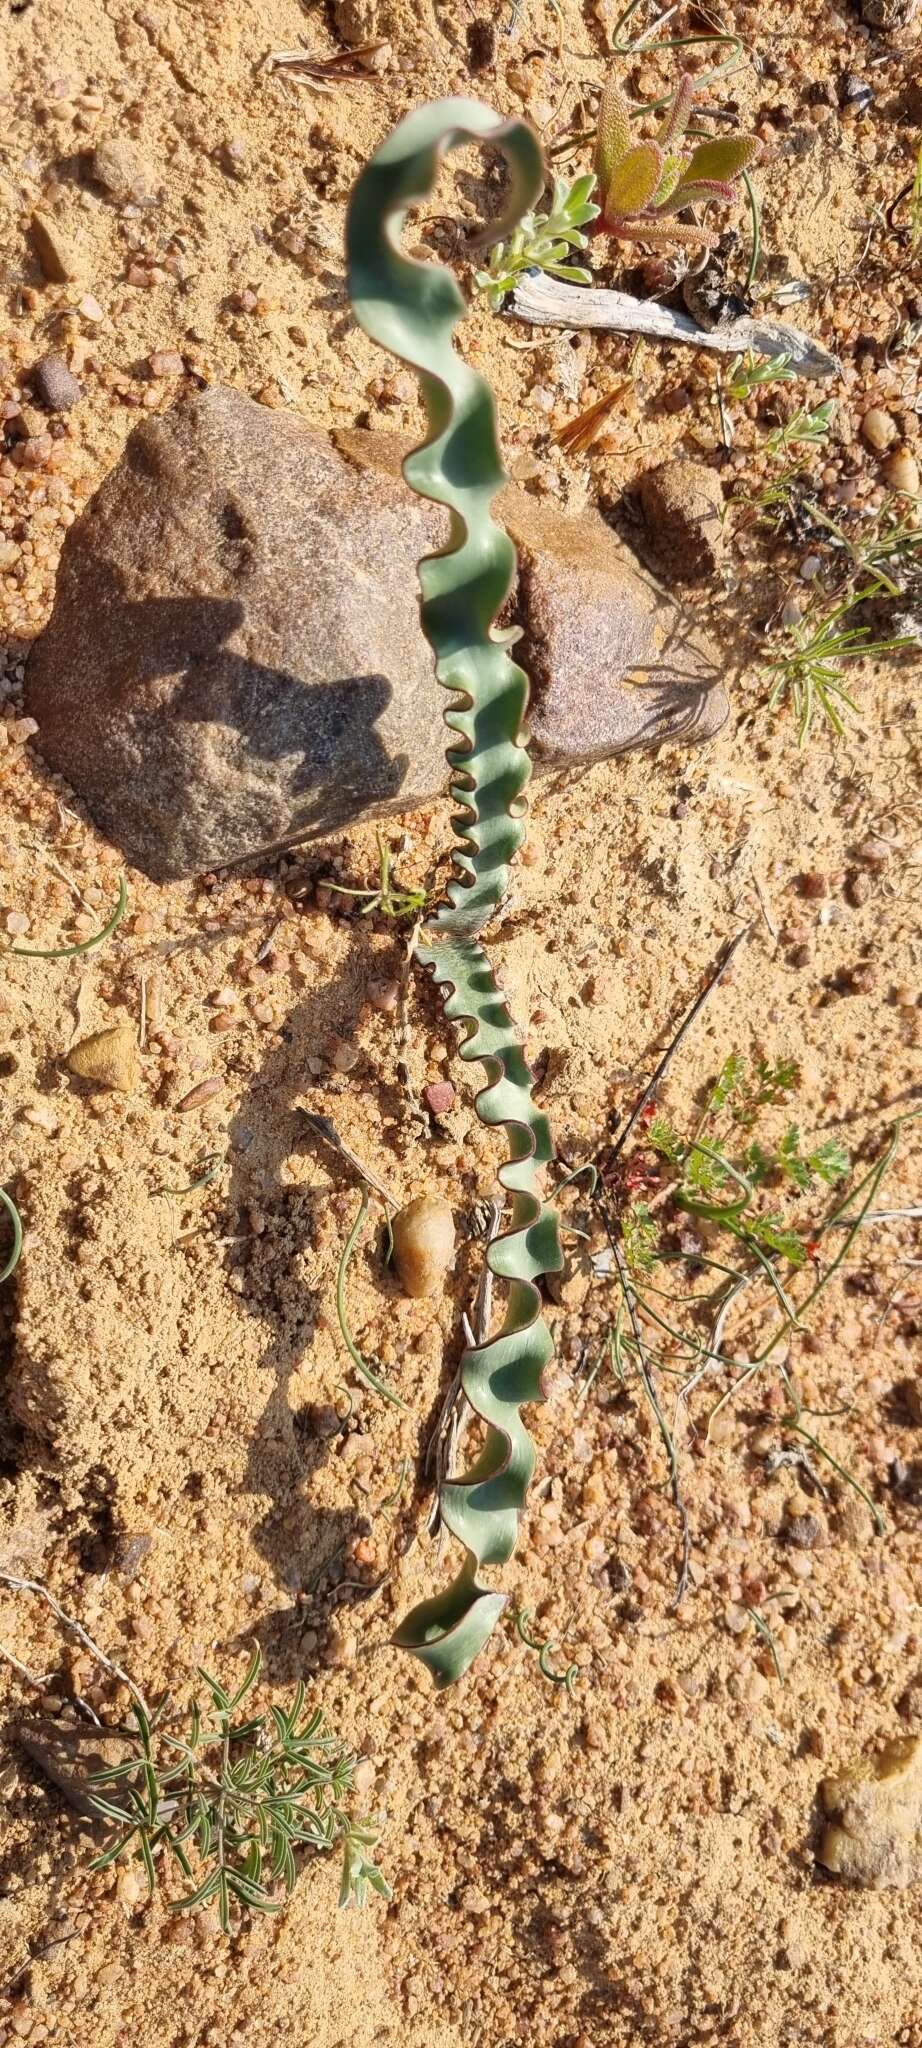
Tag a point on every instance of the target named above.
point(412, 309)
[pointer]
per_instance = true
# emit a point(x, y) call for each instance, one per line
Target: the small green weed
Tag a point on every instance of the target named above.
point(804, 429)
point(388, 899)
point(231, 1798)
point(751, 373)
point(543, 241)
point(714, 1179)
point(809, 674)
point(890, 547)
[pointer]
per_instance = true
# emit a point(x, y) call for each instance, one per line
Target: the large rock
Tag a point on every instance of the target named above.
point(235, 660)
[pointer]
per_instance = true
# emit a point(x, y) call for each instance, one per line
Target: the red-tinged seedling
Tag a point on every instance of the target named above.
point(643, 186)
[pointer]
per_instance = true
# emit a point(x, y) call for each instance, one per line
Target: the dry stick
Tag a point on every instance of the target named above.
point(688, 1020)
point(324, 1128)
point(646, 1375)
point(67, 1621)
point(31, 1677)
point(630, 1302)
point(547, 301)
point(403, 1029)
point(455, 1411)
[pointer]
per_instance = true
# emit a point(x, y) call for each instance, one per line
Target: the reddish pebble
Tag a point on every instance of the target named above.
point(204, 1091)
point(439, 1097)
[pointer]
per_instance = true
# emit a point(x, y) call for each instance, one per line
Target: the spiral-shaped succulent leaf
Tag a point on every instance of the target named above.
point(412, 309)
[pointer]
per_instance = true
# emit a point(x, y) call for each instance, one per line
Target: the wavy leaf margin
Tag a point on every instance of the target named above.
point(412, 309)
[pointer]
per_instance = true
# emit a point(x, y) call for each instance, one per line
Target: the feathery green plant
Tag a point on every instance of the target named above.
point(232, 1798)
point(809, 673)
point(412, 309)
point(721, 1189)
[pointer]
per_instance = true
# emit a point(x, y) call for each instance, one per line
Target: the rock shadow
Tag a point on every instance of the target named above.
point(302, 1542)
point(326, 732)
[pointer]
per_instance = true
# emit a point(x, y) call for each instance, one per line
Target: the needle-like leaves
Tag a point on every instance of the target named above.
point(244, 1793)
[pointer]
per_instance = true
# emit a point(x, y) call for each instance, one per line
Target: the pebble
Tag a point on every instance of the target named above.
point(874, 852)
point(874, 1832)
point(439, 1097)
point(879, 429)
point(341, 1647)
point(343, 1054)
point(204, 1091)
point(55, 385)
point(384, 995)
point(122, 174)
point(108, 1057)
point(57, 260)
point(424, 1244)
point(901, 472)
point(166, 362)
point(804, 1531)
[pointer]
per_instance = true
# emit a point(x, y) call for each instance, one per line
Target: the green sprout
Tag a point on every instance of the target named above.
point(545, 1651)
point(644, 185)
point(85, 945)
point(387, 898)
point(804, 429)
point(543, 241)
point(750, 373)
point(230, 1800)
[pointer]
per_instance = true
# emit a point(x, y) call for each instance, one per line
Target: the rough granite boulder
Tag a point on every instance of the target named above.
point(234, 660)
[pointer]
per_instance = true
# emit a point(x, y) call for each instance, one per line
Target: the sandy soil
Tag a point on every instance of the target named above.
point(634, 1862)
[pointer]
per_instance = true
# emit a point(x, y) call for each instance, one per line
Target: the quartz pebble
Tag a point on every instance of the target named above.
point(901, 472)
point(879, 429)
point(166, 362)
point(424, 1244)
